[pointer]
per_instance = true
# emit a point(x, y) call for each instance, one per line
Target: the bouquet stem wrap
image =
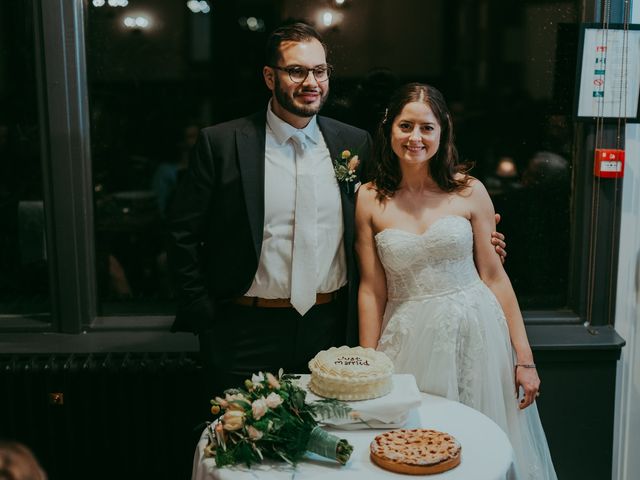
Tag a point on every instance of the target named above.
point(328, 445)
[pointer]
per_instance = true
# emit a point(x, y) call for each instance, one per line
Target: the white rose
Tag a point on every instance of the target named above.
point(273, 400)
point(232, 401)
point(235, 396)
point(259, 408)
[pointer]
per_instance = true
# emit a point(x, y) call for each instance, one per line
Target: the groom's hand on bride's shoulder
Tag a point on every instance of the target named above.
point(497, 239)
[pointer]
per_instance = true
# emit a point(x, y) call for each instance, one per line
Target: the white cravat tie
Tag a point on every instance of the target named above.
point(303, 263)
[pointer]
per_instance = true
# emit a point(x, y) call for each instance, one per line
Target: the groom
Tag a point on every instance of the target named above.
point(262, 229)
point(255, 186)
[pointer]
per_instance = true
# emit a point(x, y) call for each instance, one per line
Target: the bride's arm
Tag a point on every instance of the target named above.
point(372, 293)
point(493, 274)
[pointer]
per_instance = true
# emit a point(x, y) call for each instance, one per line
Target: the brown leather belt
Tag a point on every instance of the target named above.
point(321, 298)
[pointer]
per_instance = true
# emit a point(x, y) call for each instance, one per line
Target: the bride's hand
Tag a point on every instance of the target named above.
point(497, 240)
point(528, 379)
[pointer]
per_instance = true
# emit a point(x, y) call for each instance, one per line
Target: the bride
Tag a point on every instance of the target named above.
point(433, 294)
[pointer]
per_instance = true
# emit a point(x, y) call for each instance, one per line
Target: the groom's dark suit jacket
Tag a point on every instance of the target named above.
point(216, 218)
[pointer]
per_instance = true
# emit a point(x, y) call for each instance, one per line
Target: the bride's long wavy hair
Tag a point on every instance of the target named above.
point(443, 166)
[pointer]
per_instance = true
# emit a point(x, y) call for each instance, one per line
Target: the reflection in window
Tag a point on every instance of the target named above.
point(136, 81)
point(525, 136)
point(161, 69)
point(24, 281)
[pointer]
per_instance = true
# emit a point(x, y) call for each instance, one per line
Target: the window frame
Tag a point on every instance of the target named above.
point(70, 217)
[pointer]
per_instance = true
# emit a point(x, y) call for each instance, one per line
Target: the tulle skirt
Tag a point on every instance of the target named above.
point(457, 346)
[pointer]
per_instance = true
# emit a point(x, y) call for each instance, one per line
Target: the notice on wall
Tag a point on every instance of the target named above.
point(610, 73)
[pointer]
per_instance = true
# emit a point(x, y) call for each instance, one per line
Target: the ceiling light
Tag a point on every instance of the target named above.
point(327, 19)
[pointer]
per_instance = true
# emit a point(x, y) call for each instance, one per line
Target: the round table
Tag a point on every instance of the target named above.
point(486, 451)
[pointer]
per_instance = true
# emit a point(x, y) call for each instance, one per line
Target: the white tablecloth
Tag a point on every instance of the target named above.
point(388, 411)
point(486, 451)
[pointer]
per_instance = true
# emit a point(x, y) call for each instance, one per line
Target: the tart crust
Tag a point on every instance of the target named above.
point(416, 451)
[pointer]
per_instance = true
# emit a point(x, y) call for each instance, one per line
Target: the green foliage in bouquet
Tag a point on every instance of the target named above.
point(269, 418)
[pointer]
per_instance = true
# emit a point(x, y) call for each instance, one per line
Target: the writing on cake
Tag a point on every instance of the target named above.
point(351, 361)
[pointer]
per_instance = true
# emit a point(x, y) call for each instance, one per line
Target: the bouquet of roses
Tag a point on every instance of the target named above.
point(269, 418)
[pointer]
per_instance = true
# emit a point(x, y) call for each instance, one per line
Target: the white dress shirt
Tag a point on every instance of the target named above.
point(273, 278)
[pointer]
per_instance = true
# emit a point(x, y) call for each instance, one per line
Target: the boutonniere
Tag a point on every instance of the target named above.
point(345, 169)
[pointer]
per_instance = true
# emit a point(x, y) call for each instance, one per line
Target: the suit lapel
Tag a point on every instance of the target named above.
point(332, 137)
point(250, 144)
point(336, 143)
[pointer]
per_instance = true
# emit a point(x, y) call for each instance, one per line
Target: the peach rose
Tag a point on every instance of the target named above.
point(273, 382)
point(353, 164)
point(233, 420)
point(345, 154)
point(254, 433)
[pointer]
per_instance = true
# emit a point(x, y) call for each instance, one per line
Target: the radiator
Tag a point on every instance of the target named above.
point(114, 416)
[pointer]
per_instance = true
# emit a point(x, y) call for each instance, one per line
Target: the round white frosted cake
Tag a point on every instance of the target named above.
point(350, 373)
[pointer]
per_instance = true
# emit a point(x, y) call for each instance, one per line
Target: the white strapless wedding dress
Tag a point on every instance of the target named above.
point(445, 326)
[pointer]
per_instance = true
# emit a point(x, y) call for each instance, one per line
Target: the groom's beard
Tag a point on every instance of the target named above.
point(287, 102)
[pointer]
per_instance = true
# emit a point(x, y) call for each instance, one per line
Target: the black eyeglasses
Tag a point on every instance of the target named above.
point(299, 74)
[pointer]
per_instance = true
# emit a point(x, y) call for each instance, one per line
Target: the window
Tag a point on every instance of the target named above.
point(159, 71)
point(154, 72)
point(140, 136)
point(24, 273)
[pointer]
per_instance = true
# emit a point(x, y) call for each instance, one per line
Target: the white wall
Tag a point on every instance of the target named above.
point(627, 428)
point(626, 461)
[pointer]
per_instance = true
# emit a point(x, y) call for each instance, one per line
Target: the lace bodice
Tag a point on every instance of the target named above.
point(437, 262)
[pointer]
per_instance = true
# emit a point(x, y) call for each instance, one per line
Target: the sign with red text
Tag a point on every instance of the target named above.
point(610, 73)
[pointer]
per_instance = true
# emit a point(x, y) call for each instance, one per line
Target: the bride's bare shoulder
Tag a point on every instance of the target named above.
point(367, 193)
point(476, 186)
point(470, 184)
point(369, 201)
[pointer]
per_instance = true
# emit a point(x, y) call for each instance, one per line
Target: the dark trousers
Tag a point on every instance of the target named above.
point(245, 340)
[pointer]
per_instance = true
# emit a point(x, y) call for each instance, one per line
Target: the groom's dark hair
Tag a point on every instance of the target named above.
point(291, 32)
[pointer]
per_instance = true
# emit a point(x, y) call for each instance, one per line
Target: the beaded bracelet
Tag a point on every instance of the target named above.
point(526, 365)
